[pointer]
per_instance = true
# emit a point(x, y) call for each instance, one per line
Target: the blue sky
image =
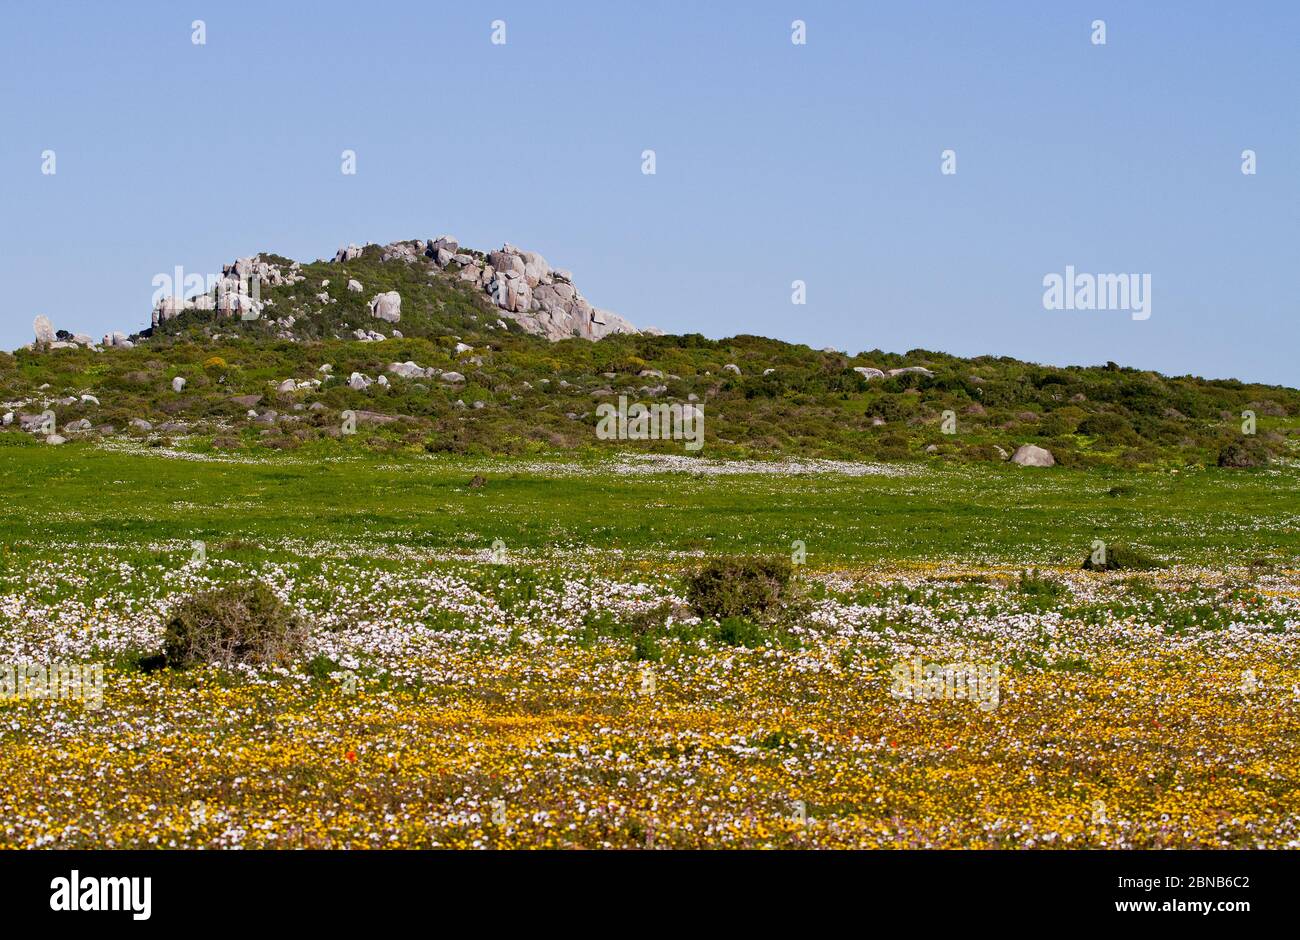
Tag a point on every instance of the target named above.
point(775, 162)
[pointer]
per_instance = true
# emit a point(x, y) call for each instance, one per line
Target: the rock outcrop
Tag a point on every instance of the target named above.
point(43, 329)
point(521, 283)
point(235, 294)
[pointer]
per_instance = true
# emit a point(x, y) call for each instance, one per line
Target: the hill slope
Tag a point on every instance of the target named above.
point(448, 368)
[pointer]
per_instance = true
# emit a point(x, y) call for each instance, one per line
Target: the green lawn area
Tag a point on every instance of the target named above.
point(995, 514)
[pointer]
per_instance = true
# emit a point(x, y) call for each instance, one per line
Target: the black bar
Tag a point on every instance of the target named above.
point(530, 889)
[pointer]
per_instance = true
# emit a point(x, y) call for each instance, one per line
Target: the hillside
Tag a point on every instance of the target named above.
point(469, 360)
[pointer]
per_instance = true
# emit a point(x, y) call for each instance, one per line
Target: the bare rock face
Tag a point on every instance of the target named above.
point(523, 284)
point(387, 306)
point(1029, 455)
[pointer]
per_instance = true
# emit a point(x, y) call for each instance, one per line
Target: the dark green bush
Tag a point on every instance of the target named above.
point(738, 587)
point(737, 631)
point(1122, 558)
point(239, 623)
point(1032, 584)
point(1244, 452)
point(1108, 428)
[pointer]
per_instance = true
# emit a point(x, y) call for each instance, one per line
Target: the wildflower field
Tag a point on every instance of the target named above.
point(503, 653)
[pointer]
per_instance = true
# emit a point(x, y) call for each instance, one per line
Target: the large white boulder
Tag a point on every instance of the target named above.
point(387, 306)
point(43, 329)
point(1029, 455)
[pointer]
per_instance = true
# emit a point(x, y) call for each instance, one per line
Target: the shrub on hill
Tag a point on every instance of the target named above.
point(1244, 452)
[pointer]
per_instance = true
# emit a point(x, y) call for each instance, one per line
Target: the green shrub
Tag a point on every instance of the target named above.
point(738, 587)
point(737, 631)
point(1108, 428)
point(1033, 584)
point(239, 623)
point(321, 666)
point(645, 648)
point(1122, 558)
point(1244, 452)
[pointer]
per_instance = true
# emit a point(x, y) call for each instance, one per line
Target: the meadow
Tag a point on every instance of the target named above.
point(503, 652)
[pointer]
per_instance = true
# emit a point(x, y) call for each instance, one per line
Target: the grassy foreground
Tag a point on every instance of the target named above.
point(559, 691)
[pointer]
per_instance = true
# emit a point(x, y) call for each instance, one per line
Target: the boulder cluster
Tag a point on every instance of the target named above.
point(541, 299)
point(522, 284)
point(235, 294)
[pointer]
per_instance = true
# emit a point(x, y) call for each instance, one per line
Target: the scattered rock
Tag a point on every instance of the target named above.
point(374, 417)
point(411, 370)
point(1030, 455)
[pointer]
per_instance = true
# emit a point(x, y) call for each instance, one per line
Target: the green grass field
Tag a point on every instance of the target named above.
point(558, 690)
point(997, 514)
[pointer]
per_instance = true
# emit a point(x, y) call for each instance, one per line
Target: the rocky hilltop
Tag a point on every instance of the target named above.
point(513, 285)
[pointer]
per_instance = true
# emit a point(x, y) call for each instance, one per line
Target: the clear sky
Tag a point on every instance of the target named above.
point(774, 161)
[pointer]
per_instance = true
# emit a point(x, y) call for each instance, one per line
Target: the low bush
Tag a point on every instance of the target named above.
point(1032, 584)
point(737, 631)
point(1244, 452)
point(238, 623)
point(738, 587)
point(1120, 558)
